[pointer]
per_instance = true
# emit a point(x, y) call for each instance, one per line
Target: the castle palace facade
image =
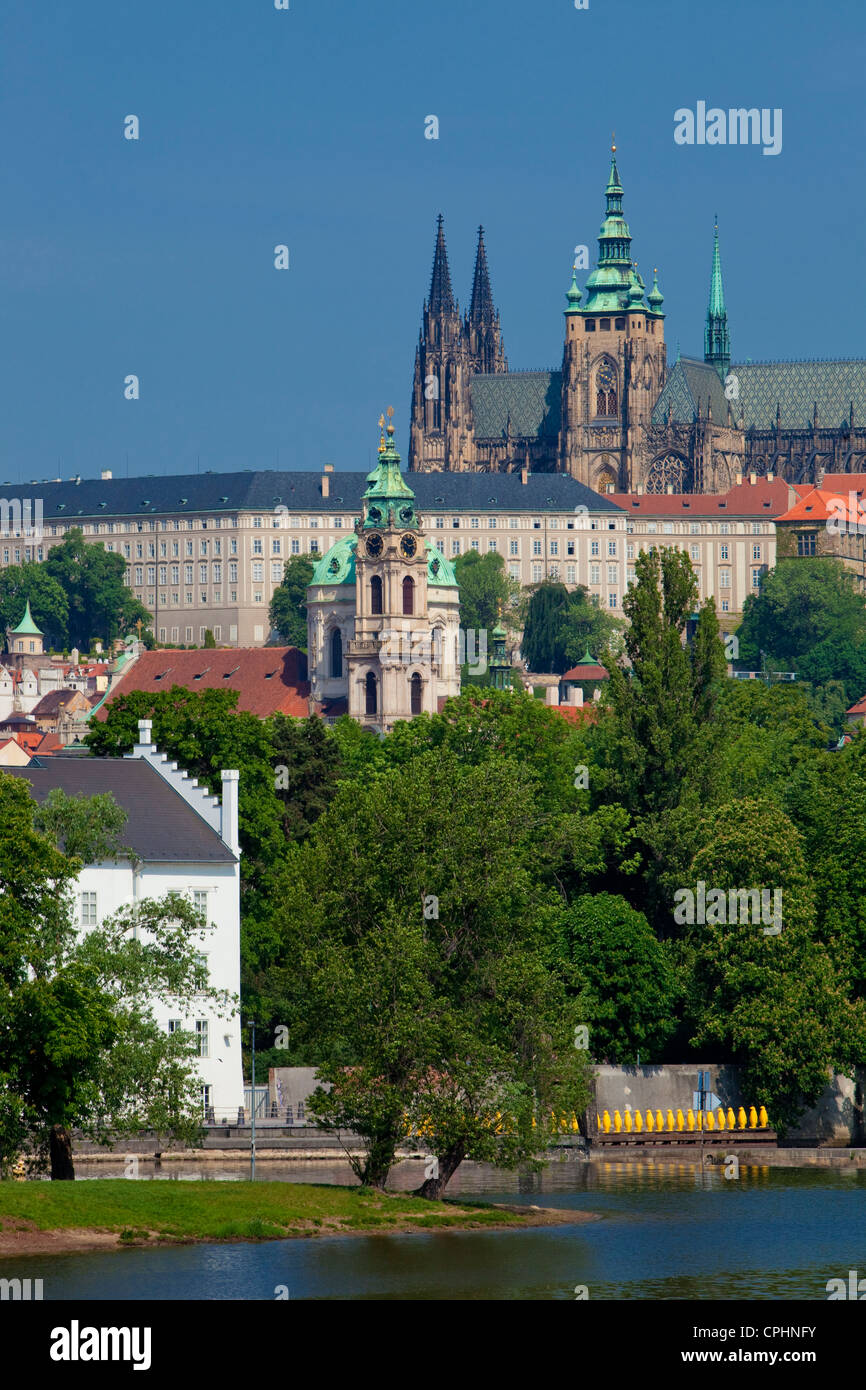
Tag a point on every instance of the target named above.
point(616, 416)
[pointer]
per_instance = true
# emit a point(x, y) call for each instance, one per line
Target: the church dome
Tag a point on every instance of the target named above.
point(440, 572)
point(337, 565)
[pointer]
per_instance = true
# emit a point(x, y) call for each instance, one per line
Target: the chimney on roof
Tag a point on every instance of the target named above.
point(145, 732)
point(770, 477)
point(105, 475)
point(229, 817)
point(669, 489)
point(524, 475)
point(326, 482)
point(753, 478)
point(639, 489)
point(738, 478)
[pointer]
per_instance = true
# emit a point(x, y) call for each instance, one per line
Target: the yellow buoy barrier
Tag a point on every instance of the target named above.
point(627, 1122)
point(670, 1120)
point(690, 1120)
point(617, 1122)
point(638, 1122)
point(741, 1118)
point(711, 1120)
point(649, 1121)
point(763, 1118)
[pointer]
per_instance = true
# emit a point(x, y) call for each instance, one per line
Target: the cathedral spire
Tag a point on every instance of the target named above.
point(482, 309)
point(717, 344)
point(441, 295)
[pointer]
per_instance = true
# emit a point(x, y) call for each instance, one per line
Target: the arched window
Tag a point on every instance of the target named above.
point(375, 594)
point(336, 652)
point(370, 693)
point(605, 390)
point(416, 693)
point(408, 595)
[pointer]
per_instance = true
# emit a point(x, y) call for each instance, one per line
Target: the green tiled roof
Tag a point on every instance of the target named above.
point(532, 401)
point(797, 387)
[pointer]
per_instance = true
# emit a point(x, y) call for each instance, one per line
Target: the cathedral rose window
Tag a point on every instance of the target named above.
point(605, 390)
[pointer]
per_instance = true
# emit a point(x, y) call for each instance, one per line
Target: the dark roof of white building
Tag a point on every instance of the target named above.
point(217, 493)
point(161, 827)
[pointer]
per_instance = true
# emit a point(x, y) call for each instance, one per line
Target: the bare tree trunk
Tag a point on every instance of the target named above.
point(446, 1166)
point(60, 1143)
point(379, 1162)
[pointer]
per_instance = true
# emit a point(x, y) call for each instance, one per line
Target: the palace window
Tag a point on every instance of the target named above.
point(375, 600)
point(370, 693)
point(408, 596)
point(415, 695)
point(336, 653)
point(806, 543)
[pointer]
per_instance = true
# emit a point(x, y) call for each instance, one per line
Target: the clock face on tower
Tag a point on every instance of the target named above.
point(374, 545)
point(408, 545)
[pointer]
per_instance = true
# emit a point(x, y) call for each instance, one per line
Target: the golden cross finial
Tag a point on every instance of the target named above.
point(613, 142)
point(390, 419)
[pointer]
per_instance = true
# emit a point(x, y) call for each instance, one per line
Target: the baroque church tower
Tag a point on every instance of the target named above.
point(450, 352)
point(383, 610)
point(614, 361)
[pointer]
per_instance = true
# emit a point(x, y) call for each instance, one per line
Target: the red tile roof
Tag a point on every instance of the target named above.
point(269, 680)
point(815, 506)
point(859, 708)
point(590, 671)
point(844, 482)
point(761, 498)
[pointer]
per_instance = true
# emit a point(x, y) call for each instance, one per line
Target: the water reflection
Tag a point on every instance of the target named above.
point(668, 1230)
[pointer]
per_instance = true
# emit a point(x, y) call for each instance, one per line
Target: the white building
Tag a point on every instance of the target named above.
point(185, 842)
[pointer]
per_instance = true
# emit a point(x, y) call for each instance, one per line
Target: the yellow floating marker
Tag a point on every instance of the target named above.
point(627, 1122)
point(617, 1122)
point(670, 1120)
point(711, 1120)
point(649, 1121)
point(763, 1118)
point(753, 1117)
point(690, 1120)
point(741, 1118)
point(638, 1122)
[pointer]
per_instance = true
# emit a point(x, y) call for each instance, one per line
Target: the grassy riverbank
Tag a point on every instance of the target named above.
point(112, 1212)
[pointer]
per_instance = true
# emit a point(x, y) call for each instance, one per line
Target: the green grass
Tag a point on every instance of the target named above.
point(228, 1210)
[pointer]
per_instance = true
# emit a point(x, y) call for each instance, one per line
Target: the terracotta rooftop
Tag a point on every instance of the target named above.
point(815, 506)
point(269, 680)
point(586, 671)
point(761, 498)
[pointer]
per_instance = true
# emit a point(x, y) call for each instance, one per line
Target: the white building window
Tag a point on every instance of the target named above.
point(611, 600)
point(536, 574)
point(756, 578)
point(595, 574)
point(695, 552)
point(88, 910)
point(612, 574)
point(514, 571)
point(569, 574)
point(276, 571)
point(723, 552)
point(202, 1034)
point(724, 579)
point(514, 547)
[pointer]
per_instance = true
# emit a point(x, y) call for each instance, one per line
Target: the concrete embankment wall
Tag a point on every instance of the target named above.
point(836, 1119)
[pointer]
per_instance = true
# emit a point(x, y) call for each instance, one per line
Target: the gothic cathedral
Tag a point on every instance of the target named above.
point(615, 415)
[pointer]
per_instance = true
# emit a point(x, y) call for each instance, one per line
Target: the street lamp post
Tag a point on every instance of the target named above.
point(253, 1107)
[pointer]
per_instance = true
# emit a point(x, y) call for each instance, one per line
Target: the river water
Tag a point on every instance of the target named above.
point(666, 1231)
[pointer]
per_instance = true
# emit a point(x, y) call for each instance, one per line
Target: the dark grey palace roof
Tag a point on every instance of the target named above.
point(161, 827)
point(216, 493)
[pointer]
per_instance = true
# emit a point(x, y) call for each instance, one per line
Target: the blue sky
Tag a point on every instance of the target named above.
point(306, 127)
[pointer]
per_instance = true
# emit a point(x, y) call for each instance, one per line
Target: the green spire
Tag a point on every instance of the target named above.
point(573, 293)
point(388, 499)
point(26, 627)
point(717, 343)
point(614, 285)
point(655, 298)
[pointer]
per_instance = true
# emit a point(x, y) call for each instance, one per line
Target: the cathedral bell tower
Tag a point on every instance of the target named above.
point(614, 360)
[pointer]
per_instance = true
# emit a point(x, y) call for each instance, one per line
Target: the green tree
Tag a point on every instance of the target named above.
point(808, 617)
point(85, 827)
point(485, 589)
point(770, 1001)
point(209, 639)
point(79, 1046)
point(288, 608)
point(427, 975)
point(92, 578)
point(30, 582)
point(630, 982)
point(543, 646)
